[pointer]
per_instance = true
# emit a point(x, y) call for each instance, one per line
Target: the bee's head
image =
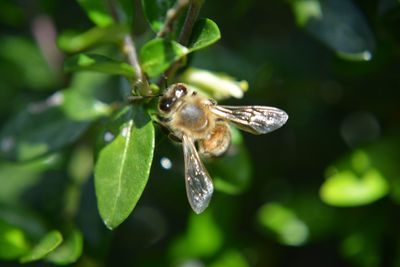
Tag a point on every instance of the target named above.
point(172, 95)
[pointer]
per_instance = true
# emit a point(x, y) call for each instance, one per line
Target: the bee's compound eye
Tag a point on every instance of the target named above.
point(166, 103)
point(180, 90)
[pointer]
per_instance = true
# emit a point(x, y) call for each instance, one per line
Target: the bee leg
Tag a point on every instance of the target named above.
point(136, 98)
point(174, 138)
point(161, 119)
point(212, 101)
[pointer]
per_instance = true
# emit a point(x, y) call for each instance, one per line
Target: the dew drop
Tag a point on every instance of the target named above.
point(7, 143)
point(125, 131)
point(166, 163)
point(108, 137)
point(366, 55)
point(55, 100)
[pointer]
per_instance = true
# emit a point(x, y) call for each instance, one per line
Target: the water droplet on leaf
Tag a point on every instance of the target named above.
point(108, 137)
point(166, 163)
point(7, 143)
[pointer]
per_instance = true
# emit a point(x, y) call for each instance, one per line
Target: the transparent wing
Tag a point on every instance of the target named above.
point(199, 186)
point(253, 119)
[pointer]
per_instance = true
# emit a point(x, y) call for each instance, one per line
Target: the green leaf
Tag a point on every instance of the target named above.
point(32, 225)
point(98, 63)
point(203, 238)
point(215, 85)
point(319, 217)
point(69, 251)
point(47, 244)
point(283, 222)
point(354, 181)
point(349, 36)
point(80, 102)
point(205, 33)
point(75, 42)
point(17, 56)
point(123, 166)
point(80, 166)
point(97, 11)
point(232, 180)
point(231, 258)
point(80, 107)
point(24, 176)
point(305, 10)
point(13, 241)
point(158, 55)
point(39, 129)
point(47, 126)
point(155, 11)
point(347, 189)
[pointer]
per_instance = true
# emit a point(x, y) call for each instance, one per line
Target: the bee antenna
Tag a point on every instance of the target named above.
point(134, 98)
point(165, 81)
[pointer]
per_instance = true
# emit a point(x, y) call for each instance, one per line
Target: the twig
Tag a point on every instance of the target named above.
point(191, 17)
point(171, 16)
point(184, 37)
point(129, 49)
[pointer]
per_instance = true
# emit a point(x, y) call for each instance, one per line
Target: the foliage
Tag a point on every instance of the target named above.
point(76, 157)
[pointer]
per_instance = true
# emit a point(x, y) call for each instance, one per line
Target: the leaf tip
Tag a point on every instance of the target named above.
point(109, 225)
point(108, 221)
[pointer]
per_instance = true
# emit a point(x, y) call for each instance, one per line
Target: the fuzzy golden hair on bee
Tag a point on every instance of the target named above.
point(197, 120)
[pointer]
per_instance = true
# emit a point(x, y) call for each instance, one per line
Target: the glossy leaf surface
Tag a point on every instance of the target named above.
point(156, 11)
point(283, 223)
point(39, 129)
point(348, 35)
point(47, 244)
point(123, 166)
point(355, 180)
point(98, 63)
point(24, 176)
point(97, 11)
point(46, 126)
point(13, 241)
point(69, 251)
point(73, 42)
point(157, 55)
point(205, 33)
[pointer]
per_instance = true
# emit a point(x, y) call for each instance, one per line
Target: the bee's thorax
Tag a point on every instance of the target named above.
point(192, 116)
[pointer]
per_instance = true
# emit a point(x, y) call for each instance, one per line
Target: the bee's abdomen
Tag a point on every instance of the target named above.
point(217, 142)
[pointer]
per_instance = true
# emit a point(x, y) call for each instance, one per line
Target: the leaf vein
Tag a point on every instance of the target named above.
point(124, 156)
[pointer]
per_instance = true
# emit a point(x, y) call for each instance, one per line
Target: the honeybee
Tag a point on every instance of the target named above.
point(194, 119)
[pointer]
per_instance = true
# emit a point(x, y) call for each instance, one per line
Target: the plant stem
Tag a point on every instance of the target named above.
point(141, 85)
point(191, 17)
point(171, 16)
point(184, 36)
point(141, 82)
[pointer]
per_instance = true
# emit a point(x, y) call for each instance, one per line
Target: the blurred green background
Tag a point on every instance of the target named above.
point(324, 190)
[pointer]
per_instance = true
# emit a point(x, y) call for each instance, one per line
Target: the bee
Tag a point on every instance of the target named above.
point(196, 120)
